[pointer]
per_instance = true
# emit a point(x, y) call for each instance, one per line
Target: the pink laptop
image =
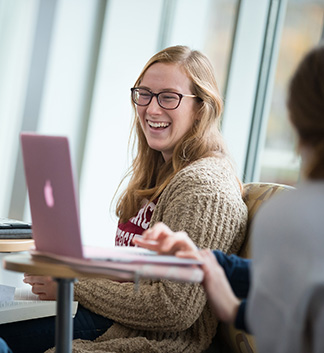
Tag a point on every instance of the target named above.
point(52, 194)
point(54, 206)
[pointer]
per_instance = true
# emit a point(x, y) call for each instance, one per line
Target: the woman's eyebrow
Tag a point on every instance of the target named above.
point(162, 90)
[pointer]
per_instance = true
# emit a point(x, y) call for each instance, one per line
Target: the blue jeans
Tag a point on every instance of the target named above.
point(38, 335)
point(4, 347)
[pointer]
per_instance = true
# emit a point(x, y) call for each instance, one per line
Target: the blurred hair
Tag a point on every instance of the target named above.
point(306, 108)
point(150, 174)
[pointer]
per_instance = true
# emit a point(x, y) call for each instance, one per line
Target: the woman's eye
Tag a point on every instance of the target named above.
point(169, 97)
point(144, 96)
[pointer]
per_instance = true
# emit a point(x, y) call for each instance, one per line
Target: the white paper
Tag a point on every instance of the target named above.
point(7, 293)
point(25, 293)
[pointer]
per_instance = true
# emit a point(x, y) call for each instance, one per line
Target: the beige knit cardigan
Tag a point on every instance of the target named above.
point(203, 199)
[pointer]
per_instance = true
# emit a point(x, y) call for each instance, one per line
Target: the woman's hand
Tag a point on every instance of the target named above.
point(45, 287)
point(219, 292)
point(162, 239)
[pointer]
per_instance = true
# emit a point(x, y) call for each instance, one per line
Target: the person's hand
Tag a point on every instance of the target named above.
point(45, 287)
point(219, 292)
point(163, 240)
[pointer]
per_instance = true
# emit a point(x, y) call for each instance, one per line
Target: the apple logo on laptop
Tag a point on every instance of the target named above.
point(48, 194)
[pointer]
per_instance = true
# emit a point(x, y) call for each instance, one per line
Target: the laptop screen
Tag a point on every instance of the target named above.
point(52, 194)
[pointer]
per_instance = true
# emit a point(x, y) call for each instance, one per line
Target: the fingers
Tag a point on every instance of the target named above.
point(148, 244)
point(44, 296)
point(162, 239)
point(38, 289)
point(31, 279)
point(45, 287)
point(159, 231)
point(154, 238)
point(193, 254)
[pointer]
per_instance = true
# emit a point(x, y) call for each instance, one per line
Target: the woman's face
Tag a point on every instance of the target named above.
point(164, 128)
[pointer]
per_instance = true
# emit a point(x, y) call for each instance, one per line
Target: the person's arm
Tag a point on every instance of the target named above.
point(227, 307)
point(237, 270)
point(240, 320)
point(162, 239)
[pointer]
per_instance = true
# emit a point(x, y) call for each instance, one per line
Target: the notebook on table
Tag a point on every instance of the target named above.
point(24, 305)
point(56, 222)
point(14, 229)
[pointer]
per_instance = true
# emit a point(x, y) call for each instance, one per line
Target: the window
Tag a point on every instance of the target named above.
point(303, 29)
point(219, 37)
point(17, 26)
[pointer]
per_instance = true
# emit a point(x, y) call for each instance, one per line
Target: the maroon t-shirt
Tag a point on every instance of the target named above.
point(135, 226)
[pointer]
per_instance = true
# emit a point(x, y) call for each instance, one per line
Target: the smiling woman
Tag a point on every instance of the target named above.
point(182, 176)
point(170, 139)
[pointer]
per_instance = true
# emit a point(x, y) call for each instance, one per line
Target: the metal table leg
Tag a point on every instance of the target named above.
point(64, 321)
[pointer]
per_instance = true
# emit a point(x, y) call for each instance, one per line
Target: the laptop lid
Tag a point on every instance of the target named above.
point(52, 194)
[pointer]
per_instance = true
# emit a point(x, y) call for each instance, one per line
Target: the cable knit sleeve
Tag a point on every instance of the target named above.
point(205, 201)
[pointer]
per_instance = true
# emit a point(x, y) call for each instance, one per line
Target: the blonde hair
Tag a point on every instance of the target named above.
point(306, 108)
point(150, 174)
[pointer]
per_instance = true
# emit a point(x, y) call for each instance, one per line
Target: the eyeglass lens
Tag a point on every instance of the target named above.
point(167, 100)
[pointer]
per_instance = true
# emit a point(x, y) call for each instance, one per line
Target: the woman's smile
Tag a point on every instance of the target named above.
point(155, 125)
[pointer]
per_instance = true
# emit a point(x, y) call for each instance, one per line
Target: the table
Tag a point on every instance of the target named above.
point(65, 276)
point(16, 245)
point(9, 247)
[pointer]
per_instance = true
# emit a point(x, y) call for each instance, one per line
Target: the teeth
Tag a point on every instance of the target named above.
point(152, 124)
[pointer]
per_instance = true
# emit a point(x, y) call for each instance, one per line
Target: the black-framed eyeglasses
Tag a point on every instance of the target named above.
point(166, 100)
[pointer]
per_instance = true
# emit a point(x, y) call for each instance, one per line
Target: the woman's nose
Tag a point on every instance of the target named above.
point(154, 107)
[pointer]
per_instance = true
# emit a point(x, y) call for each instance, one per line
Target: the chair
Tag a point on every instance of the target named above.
point(229, 339)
